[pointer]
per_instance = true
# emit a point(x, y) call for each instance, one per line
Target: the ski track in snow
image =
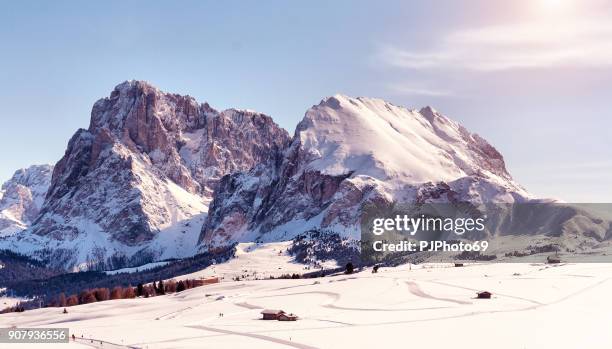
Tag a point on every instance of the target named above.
point(98, 343)
point(256, 336)
point(334, 296)
point(476, 290)
point(414, 288)
point(173, 314)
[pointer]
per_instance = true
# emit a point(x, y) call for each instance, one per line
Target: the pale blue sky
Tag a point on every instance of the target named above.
point(532, 77)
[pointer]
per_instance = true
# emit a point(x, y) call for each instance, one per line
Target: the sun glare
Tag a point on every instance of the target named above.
point(554, 6)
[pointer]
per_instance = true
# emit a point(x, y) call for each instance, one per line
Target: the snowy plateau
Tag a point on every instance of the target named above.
point(426, 306)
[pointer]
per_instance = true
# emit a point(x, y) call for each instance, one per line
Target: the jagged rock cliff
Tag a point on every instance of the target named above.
point(136, 184)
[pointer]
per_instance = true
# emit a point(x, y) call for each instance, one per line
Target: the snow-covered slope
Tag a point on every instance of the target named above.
point(431, 306)
point(258, 261)
point(135, 186)
point(377, 139)
point(22, 196)
point(350, 151)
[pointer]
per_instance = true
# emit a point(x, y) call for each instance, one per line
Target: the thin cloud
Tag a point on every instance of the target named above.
point(547, 44)
point(602, 167)
point(419, 91)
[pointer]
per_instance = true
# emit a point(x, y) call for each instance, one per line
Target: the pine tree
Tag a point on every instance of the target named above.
point(349, 268)
point(160, 289)
point(139, 290)
point(180, 287)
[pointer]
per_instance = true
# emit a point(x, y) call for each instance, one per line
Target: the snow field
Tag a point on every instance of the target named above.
point(533, 306)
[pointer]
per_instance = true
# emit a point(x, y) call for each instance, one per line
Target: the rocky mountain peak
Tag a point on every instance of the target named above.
point(22, 196)
point(347, 152)
point(137, 182)
point(137, 112)
point(32, 177)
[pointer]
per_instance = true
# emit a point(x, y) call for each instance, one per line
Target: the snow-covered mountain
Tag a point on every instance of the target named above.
point(347, 152)
point(21, 198)
point(158, 175)
point(135, 186)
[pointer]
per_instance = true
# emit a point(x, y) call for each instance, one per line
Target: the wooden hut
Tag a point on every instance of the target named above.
point(271, 314)
point(483, 295)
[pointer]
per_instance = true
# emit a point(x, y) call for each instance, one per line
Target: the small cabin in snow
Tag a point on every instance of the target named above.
point(484, 295)
point(271, 314)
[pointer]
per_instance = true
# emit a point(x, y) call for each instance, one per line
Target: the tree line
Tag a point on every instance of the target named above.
point(73, 283)
point(102, 294)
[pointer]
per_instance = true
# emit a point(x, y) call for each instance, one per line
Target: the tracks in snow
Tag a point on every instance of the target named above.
point(331, 304)
point(98, 343)
point(262, 337)
point(416, 290)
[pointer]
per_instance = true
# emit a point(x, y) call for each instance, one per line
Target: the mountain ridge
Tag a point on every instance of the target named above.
point(158, 175)
point(347, 152)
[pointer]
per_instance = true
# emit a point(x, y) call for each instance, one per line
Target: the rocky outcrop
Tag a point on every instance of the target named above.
point(21, 198)
point(192, 144)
